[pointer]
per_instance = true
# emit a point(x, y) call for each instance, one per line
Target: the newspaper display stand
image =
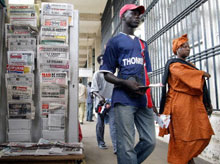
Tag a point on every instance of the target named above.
point(26, 87)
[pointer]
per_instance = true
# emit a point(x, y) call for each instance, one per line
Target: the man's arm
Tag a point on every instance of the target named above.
point(127, 84)
point(101, 98)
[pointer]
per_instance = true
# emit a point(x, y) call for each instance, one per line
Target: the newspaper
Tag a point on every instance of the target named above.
point(21, 58)
point(54, 21)
point(23, 14)
point(56, 121)
point(22, 44)
point(54, 34)
point(53, 91)
point(16, 9)
point(19, 19)
point(48, 51)
point(156, 85)
point(18, 69)
point(53, 105)
point(17, 31)
point(20, 80)
point(54, 78)
point(45, 148)
point(58, 9)
point(11, 29)
point(54, 65)
point(162, 120)
point(19, 93)
point(21, 109)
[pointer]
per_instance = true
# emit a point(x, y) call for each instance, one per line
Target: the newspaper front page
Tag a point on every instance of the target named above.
point(53, 106)
point(21, 109)
point(55, 21)
point(17, 31)
point(21, 58)
point(53, 91)
point(19, 93)
point(54, 78)
point(20, 80)
point(23, 14)
point(54, 35)
point(58, 51)
point(58, 9)
point(22, 44)
point(18, 69)
point(56, 121)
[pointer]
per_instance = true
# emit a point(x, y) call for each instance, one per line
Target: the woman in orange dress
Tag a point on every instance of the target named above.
point(186, 102)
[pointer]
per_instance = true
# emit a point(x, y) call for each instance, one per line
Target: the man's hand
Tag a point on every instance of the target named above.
point(131, 85)
point(135, 87)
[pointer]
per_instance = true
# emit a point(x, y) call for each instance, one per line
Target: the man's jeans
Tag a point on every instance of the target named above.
point(89, 111)
point(126, 118)
point(100, 128)
point(112, 128)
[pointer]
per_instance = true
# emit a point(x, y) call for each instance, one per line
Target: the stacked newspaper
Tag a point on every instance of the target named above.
point(21, 42)
point(54, 23)
point(23, 14)
point(43, 147)
point(53, 64)
point(16, 31)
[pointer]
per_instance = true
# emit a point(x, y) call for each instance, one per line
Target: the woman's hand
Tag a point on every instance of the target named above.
point(207, 75)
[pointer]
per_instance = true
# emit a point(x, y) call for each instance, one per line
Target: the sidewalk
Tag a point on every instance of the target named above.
point(94, 155)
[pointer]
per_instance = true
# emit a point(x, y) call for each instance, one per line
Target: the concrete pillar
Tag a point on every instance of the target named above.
point(97, 48)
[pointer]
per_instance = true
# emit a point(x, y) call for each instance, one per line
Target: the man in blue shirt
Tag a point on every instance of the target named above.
point(132, 107)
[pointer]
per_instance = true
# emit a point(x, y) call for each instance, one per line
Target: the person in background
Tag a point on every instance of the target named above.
point(82, 101)
point(102, 91)
point(89, 102)
point(131, 97)
point(186, 101)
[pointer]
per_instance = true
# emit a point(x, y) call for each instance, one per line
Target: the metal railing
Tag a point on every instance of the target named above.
point(167, 19)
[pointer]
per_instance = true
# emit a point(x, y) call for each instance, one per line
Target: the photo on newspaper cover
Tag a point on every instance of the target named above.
point(22, 110)
point(19, 93)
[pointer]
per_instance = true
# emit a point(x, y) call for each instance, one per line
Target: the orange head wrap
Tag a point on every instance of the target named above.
point(178, 42)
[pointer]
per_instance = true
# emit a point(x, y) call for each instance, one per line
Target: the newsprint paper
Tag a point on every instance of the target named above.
point(17, 31)
point(53, 91)
point(58, 9)
point(56, 121)
point(54, 21)
point(21, 58)
point(58, 51)
point(19, 93)
point(21, 109)
point(54, 78)
point(57, 106)
point(54, 65)
point(20, 80)
point(22, 44)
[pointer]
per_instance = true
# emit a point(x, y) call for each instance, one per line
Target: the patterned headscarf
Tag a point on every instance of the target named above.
point(178, 42)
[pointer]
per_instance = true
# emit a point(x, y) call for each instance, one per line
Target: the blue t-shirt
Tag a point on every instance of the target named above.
point(124, 53)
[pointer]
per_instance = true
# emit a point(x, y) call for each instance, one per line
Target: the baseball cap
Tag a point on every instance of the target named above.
point(131, 7)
